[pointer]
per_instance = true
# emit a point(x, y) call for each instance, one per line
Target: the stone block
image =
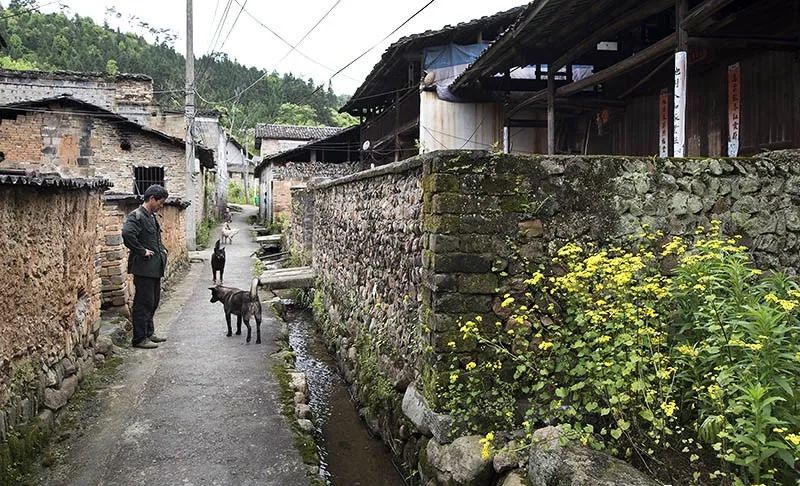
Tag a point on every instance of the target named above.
point(114, 240)
point(54, 399)
point(458, 463)
point(533, 228)
point(460, 263)
point(443, 243)
point(549, 463)
point(436, 183)
point(485, 283)
point(428, 422)
point(461, 303)
point(69, 386)
point(498, 185)
point(438, 223)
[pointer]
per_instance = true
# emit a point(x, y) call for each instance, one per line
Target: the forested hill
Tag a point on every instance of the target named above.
point(75, 43)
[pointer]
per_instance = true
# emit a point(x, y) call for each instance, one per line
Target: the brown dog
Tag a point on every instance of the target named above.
point(241, 303)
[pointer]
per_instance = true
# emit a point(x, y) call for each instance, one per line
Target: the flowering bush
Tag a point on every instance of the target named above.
point(701, 361)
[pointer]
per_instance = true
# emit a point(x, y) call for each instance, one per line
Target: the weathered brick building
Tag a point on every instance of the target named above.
point(68, 136)
point(129, 95)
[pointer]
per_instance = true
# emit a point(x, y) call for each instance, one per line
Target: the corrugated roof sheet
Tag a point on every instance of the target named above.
point(24, 177)
point(294, 132)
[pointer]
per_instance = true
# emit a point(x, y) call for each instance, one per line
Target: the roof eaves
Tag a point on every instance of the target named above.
point(391, 52)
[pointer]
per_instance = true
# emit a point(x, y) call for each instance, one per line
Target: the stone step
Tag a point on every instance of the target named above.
point(288, 278)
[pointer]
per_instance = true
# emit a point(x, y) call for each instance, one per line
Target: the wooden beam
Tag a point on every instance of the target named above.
point(702, 12)
point(644, 56)
point(666, 62)
point(745, 43)
point(551, 111)
point(633, 17)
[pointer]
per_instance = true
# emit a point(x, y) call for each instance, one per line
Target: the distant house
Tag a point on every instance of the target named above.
point(75, 138)
point(334, 156)
point(272, 139)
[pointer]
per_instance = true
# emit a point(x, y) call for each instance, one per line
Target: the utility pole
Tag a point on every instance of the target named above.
point(191, 211)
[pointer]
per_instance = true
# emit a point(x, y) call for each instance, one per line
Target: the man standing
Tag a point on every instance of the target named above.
point(147, 262)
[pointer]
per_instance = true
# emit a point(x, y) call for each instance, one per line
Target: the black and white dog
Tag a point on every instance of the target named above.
point(243, 304)
point(218, 262)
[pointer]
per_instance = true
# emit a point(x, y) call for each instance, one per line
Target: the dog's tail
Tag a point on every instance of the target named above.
point(254, 287)
point(216, 246)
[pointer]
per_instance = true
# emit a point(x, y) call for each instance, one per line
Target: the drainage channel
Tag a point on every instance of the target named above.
point(348, 454)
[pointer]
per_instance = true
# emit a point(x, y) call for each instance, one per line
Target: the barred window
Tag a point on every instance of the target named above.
point(145, 177)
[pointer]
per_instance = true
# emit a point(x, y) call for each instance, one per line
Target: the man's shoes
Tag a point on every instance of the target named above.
point(156, 339)
point(145, 344)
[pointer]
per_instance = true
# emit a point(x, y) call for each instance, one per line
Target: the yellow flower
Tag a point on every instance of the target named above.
point(787, 305)
point(471, 365)
point(770, 297)
point(451, 344)
point(478, 319)
point(687, 350)
point(545, 345)
point(535, 278)
point(453, 377)
point(714, 391)
point(486, 446)
point(604, 339)
point(507, 302)
point(794, 439)
point(669, 408)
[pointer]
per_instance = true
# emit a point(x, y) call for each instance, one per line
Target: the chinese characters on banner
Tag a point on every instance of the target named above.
point(663, 124)
point(734, 104)
point(679, 140)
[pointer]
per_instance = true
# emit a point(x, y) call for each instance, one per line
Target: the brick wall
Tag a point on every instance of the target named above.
point(121, 94)
point(72, 140)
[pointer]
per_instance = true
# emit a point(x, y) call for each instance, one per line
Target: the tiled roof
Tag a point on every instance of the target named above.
point(294, 132)
point(25, 177)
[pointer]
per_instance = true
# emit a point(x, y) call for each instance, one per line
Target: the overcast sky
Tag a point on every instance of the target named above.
point(351, 28)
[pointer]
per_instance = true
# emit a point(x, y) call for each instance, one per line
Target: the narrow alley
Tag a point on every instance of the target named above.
point(201, 409)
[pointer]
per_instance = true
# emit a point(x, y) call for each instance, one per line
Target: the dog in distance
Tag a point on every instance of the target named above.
point(228, 233)
point(218, 263)
point(241, 303)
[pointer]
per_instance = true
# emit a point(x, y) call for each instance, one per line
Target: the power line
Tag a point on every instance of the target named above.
point(272, 31)
point(372, 47)
point(29, 10)
point(233, 25)
point(309, 31)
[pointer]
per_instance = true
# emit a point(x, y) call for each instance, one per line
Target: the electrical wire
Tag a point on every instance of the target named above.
point(335, 4)
point(428, 4)
point(28, 10)
point(233, 25)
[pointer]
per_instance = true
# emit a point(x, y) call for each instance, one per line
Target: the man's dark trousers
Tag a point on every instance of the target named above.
point(145, 303)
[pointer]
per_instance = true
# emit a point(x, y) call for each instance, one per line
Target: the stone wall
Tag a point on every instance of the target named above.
point(389, 309)
point(367, 251)
point(484, 214)
point(301, 227)
point(284, 176)
point(50, 302)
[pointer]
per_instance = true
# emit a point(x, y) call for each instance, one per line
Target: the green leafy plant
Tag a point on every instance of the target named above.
point(653, 352)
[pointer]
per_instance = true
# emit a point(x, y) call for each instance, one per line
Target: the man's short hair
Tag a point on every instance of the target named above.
point(156, 192)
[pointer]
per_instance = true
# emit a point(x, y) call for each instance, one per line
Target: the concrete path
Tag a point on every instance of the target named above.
point(202, 409)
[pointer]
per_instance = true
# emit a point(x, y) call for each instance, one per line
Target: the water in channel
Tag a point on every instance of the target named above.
point(349, 456)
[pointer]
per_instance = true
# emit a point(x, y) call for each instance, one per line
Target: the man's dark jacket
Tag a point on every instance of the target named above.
point(140, 231)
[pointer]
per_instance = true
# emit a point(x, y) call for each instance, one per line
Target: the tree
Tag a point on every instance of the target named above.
point(111, 67)
point(292, 114)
